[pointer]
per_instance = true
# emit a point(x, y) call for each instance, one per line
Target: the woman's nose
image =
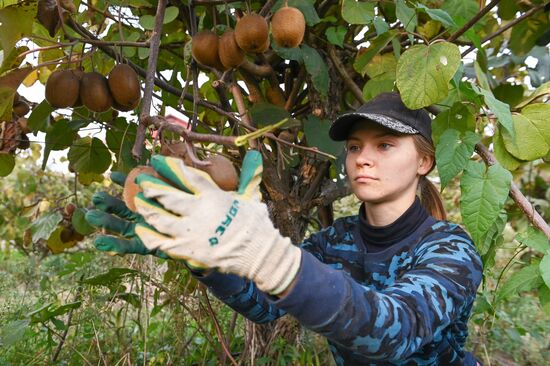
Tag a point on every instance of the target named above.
point(365, 157)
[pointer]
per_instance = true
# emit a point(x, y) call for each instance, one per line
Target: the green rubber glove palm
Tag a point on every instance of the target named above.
point(112, 215)
point(211, 228)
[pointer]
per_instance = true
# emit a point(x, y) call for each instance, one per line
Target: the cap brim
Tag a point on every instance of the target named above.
point(341, 127)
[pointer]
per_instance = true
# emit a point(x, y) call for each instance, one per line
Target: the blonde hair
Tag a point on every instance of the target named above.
point(429, 194)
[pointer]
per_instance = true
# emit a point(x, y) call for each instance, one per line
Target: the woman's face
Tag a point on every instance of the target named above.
point(383, 167)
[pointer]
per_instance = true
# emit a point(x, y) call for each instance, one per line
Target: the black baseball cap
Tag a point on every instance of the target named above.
point(388, 110)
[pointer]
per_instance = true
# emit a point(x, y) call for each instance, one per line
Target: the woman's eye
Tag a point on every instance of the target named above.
point(353, 148)
point(385, 146)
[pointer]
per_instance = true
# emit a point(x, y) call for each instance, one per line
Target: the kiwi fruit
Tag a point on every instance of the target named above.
point(21, 108)
point(231, 55)
point(252, 33)
point(130, 186)
point(204, 48)
point(222, 171)
point(288, 26)
point(62, 89)
point(275, 96)
point(124, 86)
point(94, 92)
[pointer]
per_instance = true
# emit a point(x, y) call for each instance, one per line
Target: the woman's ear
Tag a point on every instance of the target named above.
point(425, 164)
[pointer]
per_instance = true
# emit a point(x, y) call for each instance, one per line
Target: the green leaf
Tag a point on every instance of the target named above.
point(170, 14)
point(45, 225)
point(362, 61)
point(438, 14)
point(15, 23)
point(335, 35)
point(6, 102)
point(532, 133)
point(423, 73)
point(355, 12)
point(80, 224)
point(317, 68)
point(540, 91)
point(294, 53)
point(265, 114)
point(544, 298)
point(380, 25)
point(13, 332)
point(112, 276)
point(525, 34)
point(376, 86)
point(147, 22)
point(545, 268)
point(484, 192)
point(89, 154)
point(492, 238)
point(534, 239)
point(453, 153)
point(406, 15)
point(316, 131)
point(59, 137)
point(500, 109)
point(7, 163)
point(525, 279)
point(49, 311)
point(40, 116)
point(459, 117)
point(506, 159)
point(307, 7)
point(461, 9)
point(509, 94)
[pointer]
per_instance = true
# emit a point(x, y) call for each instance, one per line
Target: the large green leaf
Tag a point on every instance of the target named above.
point(317, 68)
point(316, 131)
point(540, 91)
point(45, 225)
point(265, 114)
point(453, 153)
point(532, 133)
point(336, 35)
point(112, 277)
point(406, 15)
point(423, 73)
point(79, 222)
point(534, 239)
point(525, 34)
point(492, 238)
point(484, 192)
point(363, 60)
point(89, 154)
point(355, 12)
point(59, 137)
point(40, 116)
point(525, 279)
point(500, 109)
point(459, 117)
point(16, 22)
point(461, 9)
point(7, 163)
point(438, 14)
point(506, 159)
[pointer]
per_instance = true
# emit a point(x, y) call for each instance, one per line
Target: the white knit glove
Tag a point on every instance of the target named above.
point(212, 228)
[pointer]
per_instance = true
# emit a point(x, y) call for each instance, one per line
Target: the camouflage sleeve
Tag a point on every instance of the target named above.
point(242, 296)
point(393, 323)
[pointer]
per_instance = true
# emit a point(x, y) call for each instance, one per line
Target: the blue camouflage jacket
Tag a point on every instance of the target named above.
point(408, 304)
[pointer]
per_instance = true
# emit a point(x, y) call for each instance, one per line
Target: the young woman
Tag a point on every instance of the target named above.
point(392, 285)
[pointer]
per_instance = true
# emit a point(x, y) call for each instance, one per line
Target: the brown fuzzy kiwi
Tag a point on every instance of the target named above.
point(79, 74)
point(94, 92)
point(288, 26)
point(124, 86)
point(62, 89)
point(274, 95)
point(252, 33)
point(231, 55)
point(21, 108)
point(223, 172)
point(204, 48)
point(130, 186)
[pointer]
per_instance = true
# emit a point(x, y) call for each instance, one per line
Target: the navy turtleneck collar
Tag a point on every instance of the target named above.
point(377, 238)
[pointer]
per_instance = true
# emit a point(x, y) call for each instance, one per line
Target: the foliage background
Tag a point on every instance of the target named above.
point(482, 67)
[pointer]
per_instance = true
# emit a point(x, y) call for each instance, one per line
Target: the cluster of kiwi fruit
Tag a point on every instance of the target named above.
point(73, 88)
point(221, 170)
point(251, 35)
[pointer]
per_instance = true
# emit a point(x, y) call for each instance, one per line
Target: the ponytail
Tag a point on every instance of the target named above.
point(431, 199)
point(429, 194)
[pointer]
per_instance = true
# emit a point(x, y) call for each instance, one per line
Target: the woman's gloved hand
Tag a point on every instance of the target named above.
point(211, 228)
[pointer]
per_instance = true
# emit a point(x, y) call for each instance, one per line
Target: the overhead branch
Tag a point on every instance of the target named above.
point(139, 143)
point(472, 21)
point(509, 25)
point(523, 203)
point(355, 90)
